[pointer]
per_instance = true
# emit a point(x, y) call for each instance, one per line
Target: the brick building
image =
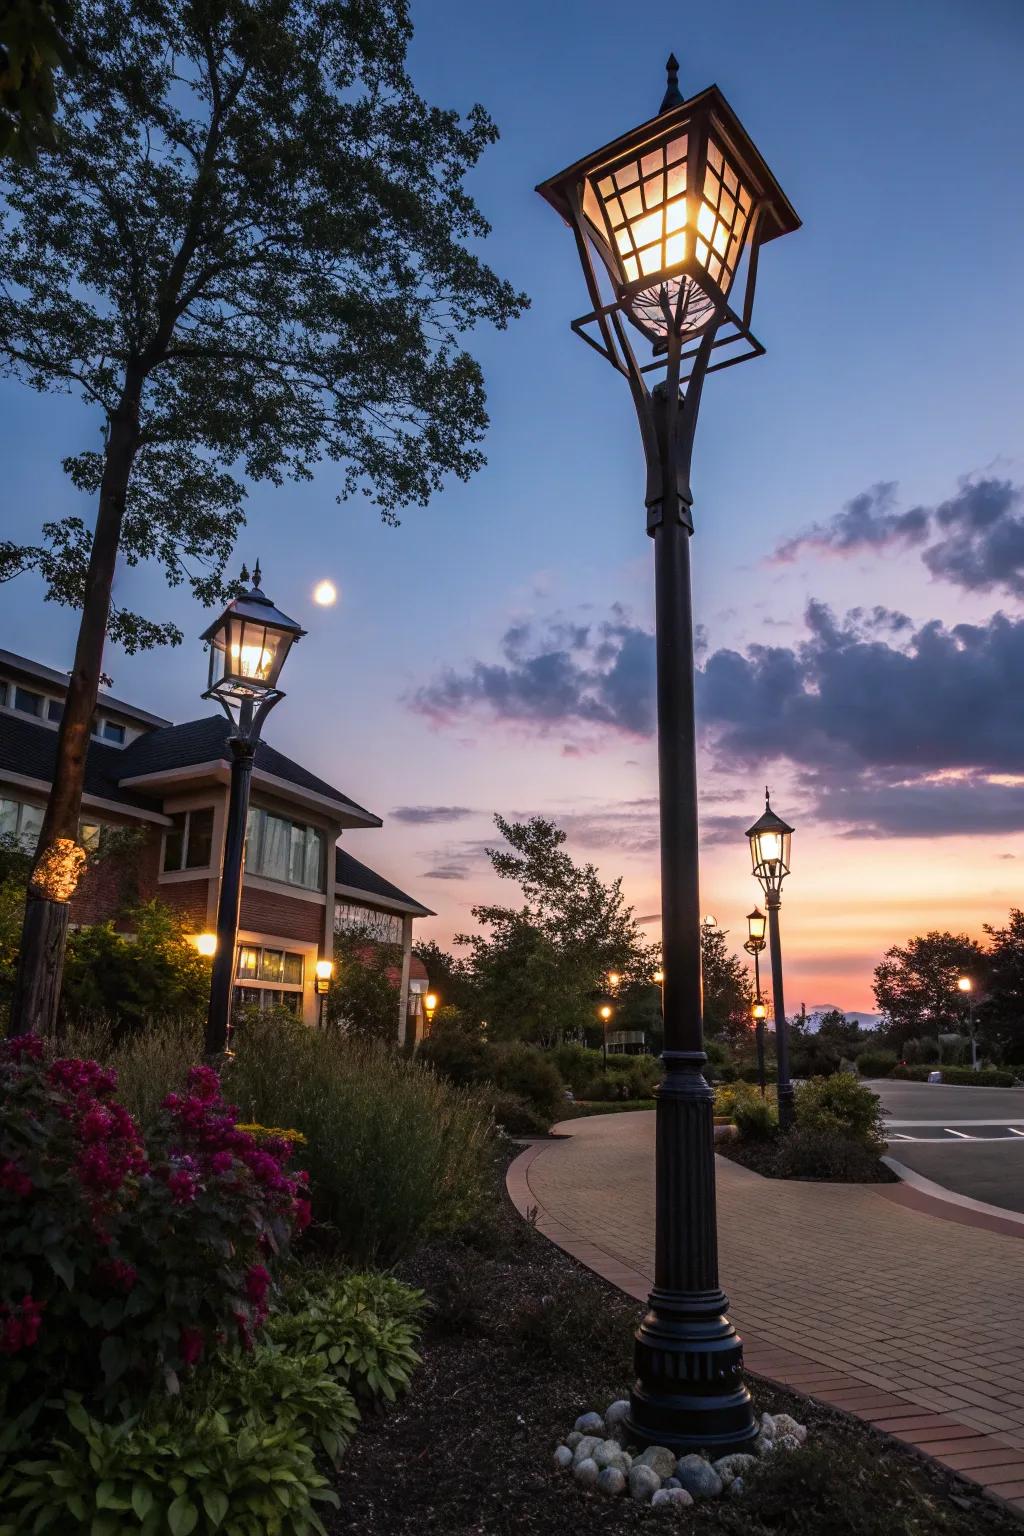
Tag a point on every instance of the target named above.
point(161, 790)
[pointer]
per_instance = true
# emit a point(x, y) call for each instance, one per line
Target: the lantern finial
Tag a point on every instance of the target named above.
point(257, 576)
point(673, 96)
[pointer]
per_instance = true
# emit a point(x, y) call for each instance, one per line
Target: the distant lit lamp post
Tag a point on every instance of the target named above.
point(659, 977)
point(966, 985)
point(662, 217)
point(770, 838)
point(430, 1003)
point(248, 647)
point(324, 977)
point(756, 924)
point(605, 1013)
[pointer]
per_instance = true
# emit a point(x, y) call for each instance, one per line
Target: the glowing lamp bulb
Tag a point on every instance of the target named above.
point(324, 970)
point(206, 943)
point(965, 984)
point(605, 1013)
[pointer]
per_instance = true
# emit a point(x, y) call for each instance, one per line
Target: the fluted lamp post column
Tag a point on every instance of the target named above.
point(756, 924)
point(664, 218)
point(248, 646)
point(770, 839)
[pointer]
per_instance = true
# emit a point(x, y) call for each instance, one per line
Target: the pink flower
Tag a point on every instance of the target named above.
point(221, 1162)
point(21, 1326)
point(192, 1343)
point(205, 1084)
point(14, 1180)
point(183, 1186)
point(244, 1330)
point(257, 1284)
point(29, 1047)
point(118, 1274)
point(302, 1215)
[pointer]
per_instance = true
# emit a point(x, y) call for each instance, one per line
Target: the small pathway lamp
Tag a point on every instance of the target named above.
point(756, 924)
point(663, 218)
point(966, 986)
point(249, 645)
point(770, 838)
point(430, 1004)
point(605, 1014)
point(324, 977)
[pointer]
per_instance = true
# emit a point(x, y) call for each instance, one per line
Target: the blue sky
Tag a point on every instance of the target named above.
point(893, 322)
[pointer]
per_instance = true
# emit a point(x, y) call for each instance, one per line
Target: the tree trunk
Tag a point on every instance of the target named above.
point(59, 857)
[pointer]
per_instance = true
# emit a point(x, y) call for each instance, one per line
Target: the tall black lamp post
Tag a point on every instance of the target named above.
point(756, 924)
point(770, 838)
point(248, 646)
point(662, 218)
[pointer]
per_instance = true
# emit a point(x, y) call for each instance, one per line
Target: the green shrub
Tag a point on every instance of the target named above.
point(156, 972)
point(824, 1152)
point(755, 1119)
point(576, 1064)
point(462, 1058)
point(186, 1473)
point(393, 1153)
point(843, 1105)
point(363, 1325)
point(532, 1075)
point(300, 1389)
point(518, 1117)
point(150, 1062)
point(876, 1063)
point(963, 1077)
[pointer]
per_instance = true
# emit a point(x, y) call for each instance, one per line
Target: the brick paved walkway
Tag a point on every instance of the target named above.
point(867, 1297)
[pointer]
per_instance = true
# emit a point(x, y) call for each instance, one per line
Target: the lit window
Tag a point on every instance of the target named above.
point(188, 841)
point(89, 835)
point(272, 978)
point(21, 823)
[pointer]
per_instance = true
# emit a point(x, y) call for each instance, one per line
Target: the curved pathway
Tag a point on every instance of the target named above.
point(874, 1298)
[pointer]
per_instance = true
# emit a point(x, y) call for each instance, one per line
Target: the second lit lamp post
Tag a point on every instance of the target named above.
point(770, 839)
point(662, 217)
point(756, 923)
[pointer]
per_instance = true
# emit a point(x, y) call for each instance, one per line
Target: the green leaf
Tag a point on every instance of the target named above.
point(142, 1500)
point(114, 1359)
point(62, 1266)
point(215, 1502)
point(182, 1517)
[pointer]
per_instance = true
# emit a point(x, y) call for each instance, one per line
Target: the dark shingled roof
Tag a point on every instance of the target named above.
point(349, 871)
point(204, 741)
point(29, 748)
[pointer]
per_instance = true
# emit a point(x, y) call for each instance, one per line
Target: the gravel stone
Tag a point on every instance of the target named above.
point(784, 1424)
point(588, 1444)
point(586, 1472)
point(788, 1443)
point(671, 1482)
point(610, 1454)
point(731, 1467)
point(615, 1413)
point(573, 1440)
point(611, 1482)
point(698, 1477)
point(659, 1458)
point(590, 1424)
point(736, 1488)
point(764, 1445)
point(680, 1498)
point(643, 1483)
point(661, 1498)
point(563, 1458)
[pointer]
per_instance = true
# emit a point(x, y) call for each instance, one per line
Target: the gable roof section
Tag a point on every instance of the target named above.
point(36, 670)
point(351, 875)
point(29, 750)
point(206, 740)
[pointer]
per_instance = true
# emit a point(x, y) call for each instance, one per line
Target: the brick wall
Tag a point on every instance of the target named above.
point(188, 897)
point(119, 880)
point(285, 916)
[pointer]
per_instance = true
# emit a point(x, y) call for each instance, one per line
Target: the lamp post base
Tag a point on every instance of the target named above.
point(689, 1393)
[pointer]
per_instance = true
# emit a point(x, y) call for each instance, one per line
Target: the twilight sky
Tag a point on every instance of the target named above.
point(859, 500)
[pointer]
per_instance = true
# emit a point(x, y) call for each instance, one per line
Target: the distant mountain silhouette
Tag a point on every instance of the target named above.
point(865, 1020)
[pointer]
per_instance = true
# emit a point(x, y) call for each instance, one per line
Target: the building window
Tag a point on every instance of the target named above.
point(55, 710)
point(89, 835)
point(269, 978)
point(21, 822)
point(284, 850)
point(28, 702)
point(188, 841)
point(380, 927)
point(113, 732)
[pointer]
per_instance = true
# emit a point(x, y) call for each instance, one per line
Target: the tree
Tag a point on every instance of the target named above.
point(916, 985)
point(727, 992)
point(846, 1034)
point(1001, 1014)
point(539, 967)
point(251, 257)
point(32, 46)
point(364, 996)
point(449, 977)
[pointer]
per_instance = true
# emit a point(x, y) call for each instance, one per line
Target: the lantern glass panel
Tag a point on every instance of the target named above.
point(756, 921)
point(769, 850)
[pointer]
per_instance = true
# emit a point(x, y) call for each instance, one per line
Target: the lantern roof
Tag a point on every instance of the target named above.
point(255, 606)
point(768, 821)
point(780, 217)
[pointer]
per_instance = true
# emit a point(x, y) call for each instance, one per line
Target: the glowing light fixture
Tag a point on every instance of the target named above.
point(248, 646)
point(324, 977)
point(965, 984)
point(206, 943)
point(770, 838)
point(758, 1013)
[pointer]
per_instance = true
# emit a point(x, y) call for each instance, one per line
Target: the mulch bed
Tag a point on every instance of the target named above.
point(761, 1157)
point(521, 1340)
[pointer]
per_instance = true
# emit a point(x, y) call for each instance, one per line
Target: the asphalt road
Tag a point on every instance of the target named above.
point(971, 1140)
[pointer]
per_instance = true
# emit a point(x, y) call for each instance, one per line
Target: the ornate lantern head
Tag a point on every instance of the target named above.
point(770, 838)
point(324, 977)
point(756, 922)
point(248, 647)
point(669, 209)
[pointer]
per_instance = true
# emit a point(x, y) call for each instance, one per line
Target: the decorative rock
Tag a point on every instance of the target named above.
point(586, 1447)
point(784, 1424)
point(586, 1472)
point(788, 1443)
point(764, 1445)
point(662, 1499)
point(671, 1482)
point(736, 1488)
point(698, 1477)
point(610, 1454)
point(768, 1425)
point(644, 1482)
point(590, 1424)
point(615, 1413)
point(563, 1458)
point(680, 1498)
point(731, 1467)
point(659, 1458)
point(573, 1440)
point(611, 1482)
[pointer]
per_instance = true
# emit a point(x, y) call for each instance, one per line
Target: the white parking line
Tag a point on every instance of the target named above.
point(962, 1134)
point(1014, 1132)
